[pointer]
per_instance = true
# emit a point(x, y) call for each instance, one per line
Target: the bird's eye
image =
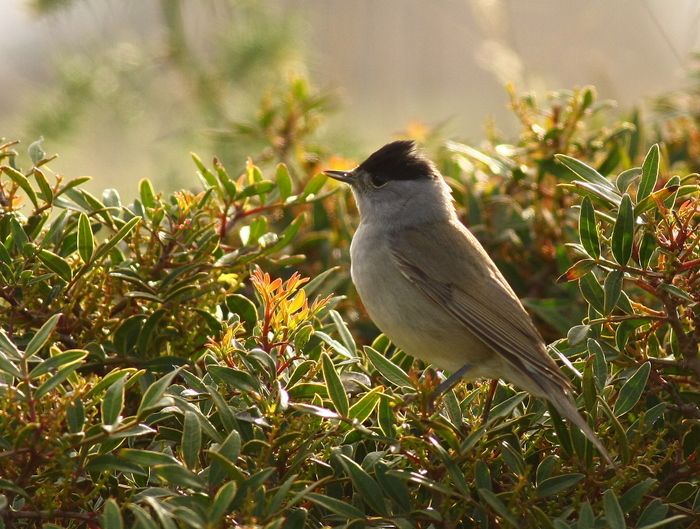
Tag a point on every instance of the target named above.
point(377, 181)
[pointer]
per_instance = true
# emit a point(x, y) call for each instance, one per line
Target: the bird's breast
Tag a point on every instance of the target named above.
point(401, 311)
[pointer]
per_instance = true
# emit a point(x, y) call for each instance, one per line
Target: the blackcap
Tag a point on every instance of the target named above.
point(430, 286)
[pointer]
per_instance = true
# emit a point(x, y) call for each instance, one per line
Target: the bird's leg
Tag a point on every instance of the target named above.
point(451, 381)
point(489, 399)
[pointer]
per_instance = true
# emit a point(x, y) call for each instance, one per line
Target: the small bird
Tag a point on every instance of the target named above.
point(430, 286)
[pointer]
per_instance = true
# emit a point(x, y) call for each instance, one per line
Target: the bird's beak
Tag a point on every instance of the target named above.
point(343, 176)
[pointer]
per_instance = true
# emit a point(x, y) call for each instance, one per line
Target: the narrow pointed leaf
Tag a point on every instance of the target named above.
point(41, 336)
point(650, 173)
point(498, 506)
point(155, 391)
point(368, 489)
point(612, 289)
point(112, 516)
point(339, 507)
point(557, 484)
point(191, 439)
point(86, 241)
point(56, 264)
point(22, 181)
point(623, 231)
point(632, 390)
point(387, 368)
point(284, 181)
point(113, 402)
point(613, 513)
point(588, 229)
point(336, 391)
point(105, 247)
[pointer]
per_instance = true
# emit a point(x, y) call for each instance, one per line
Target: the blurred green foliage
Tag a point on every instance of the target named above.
point(184, 76)
point(166, 362)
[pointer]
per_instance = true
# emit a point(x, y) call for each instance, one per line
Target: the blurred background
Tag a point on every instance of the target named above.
point(126, 89)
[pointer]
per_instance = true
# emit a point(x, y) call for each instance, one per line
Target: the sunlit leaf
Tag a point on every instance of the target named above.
point(623, 231)
point(650, 173)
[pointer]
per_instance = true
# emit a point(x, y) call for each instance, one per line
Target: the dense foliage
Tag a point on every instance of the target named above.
point(167, 363)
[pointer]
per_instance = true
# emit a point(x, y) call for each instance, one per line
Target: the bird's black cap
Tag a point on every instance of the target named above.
point(398, 160)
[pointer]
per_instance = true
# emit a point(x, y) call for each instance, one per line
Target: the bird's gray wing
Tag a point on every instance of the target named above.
point(472, 290)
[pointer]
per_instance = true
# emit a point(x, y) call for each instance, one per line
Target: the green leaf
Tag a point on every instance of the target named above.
point(8, 367)
point(56, 264)
point(191, 439)
point(603, 193)
point(387, 368)
point(222, 501)
point(113, 402)
point(588, 385)
point(207, 176)
point(334, 344)
point(364, 407)
point(46, 191)
point(651, 202)
point(653, 513)
point(584, 171)
point(236, 378)
point(635, 494)
point(241, 305)
point(577, 334)
point(314, 185)
point(86, 241)
point(111, 463)
point(498, 506)
point(556, 484)
point(148, 196)
point(42, 336)
point(256, 189)
point(344, 332)
point(586, 518)
point(676, 292)
point(339, 507)
point(650, 173)
point(155, 391)
point(142, 518)
point(681, 492)
point(368, 489)
point(646, 249)
point(625, 178)
point(612, 289)
point(179, 476)
point(284, 181)
point(623, 231)
point(9, 347)
point(588, 228)
point(613, 512)
point(146, 458)
point(663, 523)
point(600, 366)
point(336, 391)
point(112, 516)
point(385, 417)
point(107, 246)
point(22, 182)
point(577, 270)
point(592, 292)
point(54, 381)
point(632, 390)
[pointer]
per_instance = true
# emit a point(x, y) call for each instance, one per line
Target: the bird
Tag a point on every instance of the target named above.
point(431, 288)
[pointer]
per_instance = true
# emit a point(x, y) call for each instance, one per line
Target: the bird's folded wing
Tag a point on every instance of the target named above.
point(472, 290)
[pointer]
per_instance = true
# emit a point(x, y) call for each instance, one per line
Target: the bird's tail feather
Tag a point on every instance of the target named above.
point(565, 406)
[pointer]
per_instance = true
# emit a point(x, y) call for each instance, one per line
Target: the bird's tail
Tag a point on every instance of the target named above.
point(565, 406)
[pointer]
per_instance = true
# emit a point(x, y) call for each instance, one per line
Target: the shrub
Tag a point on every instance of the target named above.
point(153, 372)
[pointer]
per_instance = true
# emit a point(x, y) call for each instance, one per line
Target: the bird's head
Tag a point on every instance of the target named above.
point(398, 185)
